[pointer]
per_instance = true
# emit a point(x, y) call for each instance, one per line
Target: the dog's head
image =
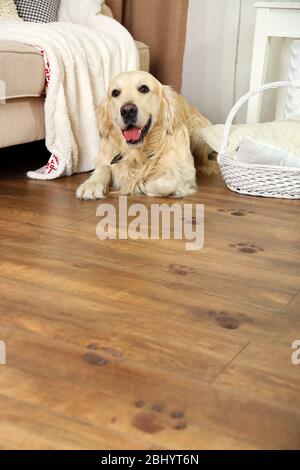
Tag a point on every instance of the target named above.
point(136, 101)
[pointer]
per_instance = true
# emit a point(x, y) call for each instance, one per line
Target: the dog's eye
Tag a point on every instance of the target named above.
point(116, 93)
point(144, 89)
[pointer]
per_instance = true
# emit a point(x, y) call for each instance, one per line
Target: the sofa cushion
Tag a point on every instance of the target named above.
point(21, 70)
point(144, 53)
point(21, 121)
point(8, 11)
point(38, 11)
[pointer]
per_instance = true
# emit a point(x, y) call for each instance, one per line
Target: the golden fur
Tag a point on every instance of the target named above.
point(163, 164)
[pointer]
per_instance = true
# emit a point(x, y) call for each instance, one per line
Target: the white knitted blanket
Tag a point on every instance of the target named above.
point(80, 61)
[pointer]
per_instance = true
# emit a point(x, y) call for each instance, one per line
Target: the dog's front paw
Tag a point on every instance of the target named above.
point(90, 190)
point(162, 187)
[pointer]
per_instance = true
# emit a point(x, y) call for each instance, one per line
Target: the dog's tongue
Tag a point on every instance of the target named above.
point(134, 133)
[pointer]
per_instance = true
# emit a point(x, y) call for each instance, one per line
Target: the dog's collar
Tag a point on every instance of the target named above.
point(116, 159)
point(120, 157)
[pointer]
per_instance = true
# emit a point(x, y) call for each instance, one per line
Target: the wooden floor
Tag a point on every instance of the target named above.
point(141, 344)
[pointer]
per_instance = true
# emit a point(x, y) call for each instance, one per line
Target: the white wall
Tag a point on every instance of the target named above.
point(217, 61)
point(211, 44)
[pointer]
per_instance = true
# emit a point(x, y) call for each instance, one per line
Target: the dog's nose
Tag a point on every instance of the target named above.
point(129, 112)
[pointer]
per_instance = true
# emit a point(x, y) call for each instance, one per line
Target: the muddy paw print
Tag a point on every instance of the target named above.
point(154, 418)
point(178, 420)
point(228, 320)
point(95, 359)
point(180, 270)
point(236, 212)
point(108, 351)
point(223, 318)
point(246, 247)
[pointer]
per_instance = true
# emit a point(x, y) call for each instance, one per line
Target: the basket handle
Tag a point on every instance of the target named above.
point(242, 100)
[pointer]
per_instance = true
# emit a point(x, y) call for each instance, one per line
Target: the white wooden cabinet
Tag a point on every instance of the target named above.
point(274, 19)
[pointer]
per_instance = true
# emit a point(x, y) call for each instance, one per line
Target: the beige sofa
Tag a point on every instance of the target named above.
point(22, 70)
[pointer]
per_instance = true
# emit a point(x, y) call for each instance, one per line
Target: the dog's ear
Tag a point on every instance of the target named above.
point(103, 119)
point(169, 111)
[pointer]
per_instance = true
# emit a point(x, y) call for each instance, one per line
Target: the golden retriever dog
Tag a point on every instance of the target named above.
point(149, 141)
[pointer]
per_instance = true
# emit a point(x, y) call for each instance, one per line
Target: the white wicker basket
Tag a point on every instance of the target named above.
point(253, 179)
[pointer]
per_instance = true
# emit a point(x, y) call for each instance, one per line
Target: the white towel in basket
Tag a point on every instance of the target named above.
point(262, 152)
point(281, 134)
